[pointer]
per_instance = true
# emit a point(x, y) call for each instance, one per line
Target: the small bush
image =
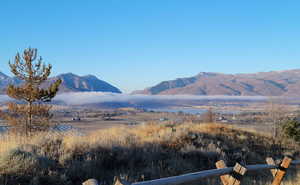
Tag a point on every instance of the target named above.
point(22, 162)
point(291, 129)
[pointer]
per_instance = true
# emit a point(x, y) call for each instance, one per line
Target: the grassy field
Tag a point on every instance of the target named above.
point(136, 153)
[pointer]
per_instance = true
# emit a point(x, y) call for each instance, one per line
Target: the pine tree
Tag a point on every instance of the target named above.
point(32, 114)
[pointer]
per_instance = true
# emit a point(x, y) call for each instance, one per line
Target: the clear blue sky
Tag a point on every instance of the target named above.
point(134, 44)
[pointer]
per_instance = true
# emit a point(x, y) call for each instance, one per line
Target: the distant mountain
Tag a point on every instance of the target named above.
point(70, 83)
point(6, 80)
point(274, 83)
point(75, 83)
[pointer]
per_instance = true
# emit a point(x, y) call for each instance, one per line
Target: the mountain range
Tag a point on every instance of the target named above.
point(274, 83)
point(70, 83)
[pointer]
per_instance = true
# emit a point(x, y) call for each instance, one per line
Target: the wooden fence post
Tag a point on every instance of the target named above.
point(282, 171)
point(224, 178)
point(238, 172)
point(236, 177)
point(119, 181)
point(91, 182)
point(270, 161)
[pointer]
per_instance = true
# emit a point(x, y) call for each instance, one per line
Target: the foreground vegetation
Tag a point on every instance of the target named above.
point(136, 153)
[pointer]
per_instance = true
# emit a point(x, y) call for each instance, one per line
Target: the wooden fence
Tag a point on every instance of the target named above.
point(228, 175)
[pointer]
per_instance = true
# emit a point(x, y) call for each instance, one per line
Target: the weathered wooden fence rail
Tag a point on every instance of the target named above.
point(228, 175)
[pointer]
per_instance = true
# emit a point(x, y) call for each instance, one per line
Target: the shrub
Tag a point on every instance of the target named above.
point(291, 129)
point(22, 162)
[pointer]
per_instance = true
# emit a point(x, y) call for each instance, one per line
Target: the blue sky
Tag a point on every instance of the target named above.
point(134, 44)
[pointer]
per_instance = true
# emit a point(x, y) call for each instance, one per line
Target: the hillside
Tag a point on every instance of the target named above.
point(144, 152)
point(275, 83)
point(70, 83)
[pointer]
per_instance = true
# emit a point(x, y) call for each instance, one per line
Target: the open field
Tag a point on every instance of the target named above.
point(95, 119)
point(251, 116)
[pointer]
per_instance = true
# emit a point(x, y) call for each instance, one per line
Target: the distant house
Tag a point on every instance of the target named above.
point(76, 119)
point(163, 119)
point(222, 119)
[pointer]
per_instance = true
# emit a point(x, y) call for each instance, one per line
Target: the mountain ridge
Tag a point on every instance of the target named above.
point(273, 83)
point(70, 83)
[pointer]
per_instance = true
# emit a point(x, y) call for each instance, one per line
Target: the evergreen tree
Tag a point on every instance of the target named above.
point(30, 115)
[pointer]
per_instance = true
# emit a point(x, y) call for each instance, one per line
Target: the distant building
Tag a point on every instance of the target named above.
point(222, 119)
point(163, 119)
point(76, 119)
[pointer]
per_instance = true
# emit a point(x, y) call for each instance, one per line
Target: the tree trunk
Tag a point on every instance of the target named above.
point(29, 117)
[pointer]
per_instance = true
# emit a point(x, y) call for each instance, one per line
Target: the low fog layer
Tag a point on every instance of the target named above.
point(82, 98)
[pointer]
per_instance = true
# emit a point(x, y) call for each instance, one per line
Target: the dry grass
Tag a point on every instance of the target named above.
point(142, 152)
point(294, 181)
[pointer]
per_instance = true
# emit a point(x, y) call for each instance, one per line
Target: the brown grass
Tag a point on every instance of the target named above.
point(138, 153)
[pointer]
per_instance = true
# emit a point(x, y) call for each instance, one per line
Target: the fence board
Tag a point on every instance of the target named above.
point(191, 177)
point(187, 177)
point(282, 171)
